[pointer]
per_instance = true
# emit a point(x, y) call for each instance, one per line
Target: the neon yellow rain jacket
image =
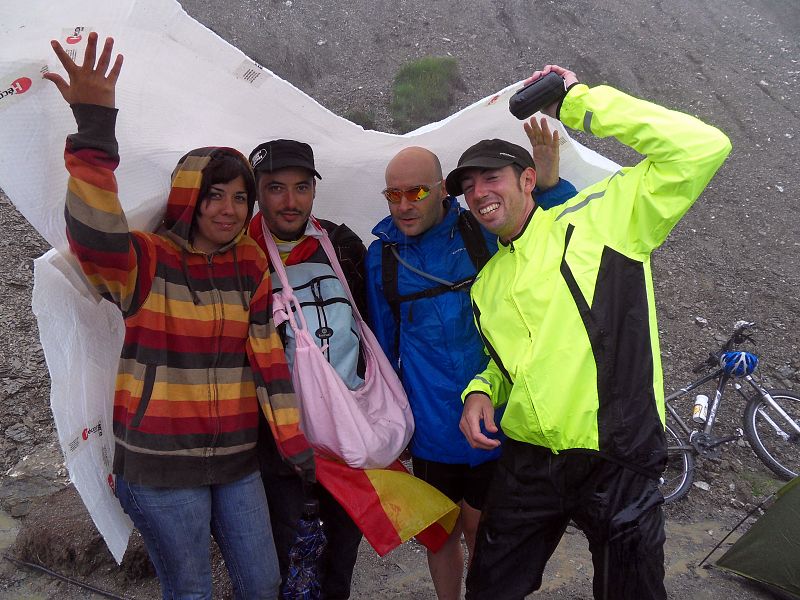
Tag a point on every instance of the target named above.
point(566, 309)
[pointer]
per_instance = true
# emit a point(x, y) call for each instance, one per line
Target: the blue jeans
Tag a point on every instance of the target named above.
point(176, 524)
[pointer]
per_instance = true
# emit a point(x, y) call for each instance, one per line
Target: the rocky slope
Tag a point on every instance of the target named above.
point(735, 255)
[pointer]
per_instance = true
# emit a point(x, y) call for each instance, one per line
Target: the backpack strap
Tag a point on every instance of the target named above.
point(389, 266)
point(389, 276)
point(474, 242)
point(478, 252)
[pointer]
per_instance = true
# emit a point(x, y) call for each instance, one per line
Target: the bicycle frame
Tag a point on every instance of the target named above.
point(775, 406)
point(712, 408)
point(714, 405)
point(761, 412)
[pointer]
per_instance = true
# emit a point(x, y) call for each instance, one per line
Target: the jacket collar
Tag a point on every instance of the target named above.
point(522, 231)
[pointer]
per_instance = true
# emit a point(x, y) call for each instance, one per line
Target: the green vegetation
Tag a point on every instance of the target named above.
point(423, 91)
point(761, 485)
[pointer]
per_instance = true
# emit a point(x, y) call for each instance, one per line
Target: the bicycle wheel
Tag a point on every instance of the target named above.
point(679, 474)
point(774, 440)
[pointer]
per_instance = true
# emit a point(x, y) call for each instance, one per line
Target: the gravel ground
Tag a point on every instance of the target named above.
point(735, 255)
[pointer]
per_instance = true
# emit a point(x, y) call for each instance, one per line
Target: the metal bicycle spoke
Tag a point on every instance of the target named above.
point(678, 476)
point(772, 436)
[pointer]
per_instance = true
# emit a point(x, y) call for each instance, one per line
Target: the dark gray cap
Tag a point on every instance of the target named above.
point(280, 154)
point(487, 154)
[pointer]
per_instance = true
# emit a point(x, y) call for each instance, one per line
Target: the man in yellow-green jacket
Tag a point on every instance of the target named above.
point(567, 314)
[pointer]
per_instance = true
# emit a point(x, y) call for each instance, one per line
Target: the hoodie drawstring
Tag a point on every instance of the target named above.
point(195, 298)
point(239, 284)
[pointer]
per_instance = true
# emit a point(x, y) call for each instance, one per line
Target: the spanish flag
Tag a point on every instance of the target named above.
point(389, 505)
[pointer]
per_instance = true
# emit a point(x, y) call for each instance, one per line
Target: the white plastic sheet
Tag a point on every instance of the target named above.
point(82, 338)
point(181, 87)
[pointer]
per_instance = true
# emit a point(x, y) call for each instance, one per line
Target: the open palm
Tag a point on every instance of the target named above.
point(88, 83)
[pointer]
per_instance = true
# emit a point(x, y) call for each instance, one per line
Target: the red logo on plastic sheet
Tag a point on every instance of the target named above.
point(74, 35)
point(111, 482)
point(98, 429)
point(21, 85)
point(493, 100)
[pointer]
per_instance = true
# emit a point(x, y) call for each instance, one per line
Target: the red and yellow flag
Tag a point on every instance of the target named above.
point(390, 505)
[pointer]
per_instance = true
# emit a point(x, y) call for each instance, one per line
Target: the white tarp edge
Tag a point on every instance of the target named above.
point(82, 338)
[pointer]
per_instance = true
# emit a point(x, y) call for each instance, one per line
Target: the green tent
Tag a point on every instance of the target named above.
point(770, 551)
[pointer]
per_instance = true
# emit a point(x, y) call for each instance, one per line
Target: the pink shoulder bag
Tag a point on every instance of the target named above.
point(367, 427)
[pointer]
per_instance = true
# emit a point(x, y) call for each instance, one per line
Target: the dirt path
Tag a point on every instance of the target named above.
point(403, 573)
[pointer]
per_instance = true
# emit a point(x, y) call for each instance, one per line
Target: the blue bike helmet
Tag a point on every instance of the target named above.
point(738, 363)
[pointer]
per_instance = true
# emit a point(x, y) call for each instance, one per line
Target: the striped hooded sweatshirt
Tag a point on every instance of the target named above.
point(187, 397)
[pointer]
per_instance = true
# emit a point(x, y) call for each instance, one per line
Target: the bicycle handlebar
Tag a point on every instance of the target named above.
point(742, 326)
point(737, 337)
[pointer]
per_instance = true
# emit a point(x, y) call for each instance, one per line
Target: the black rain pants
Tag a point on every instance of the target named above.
point(532, 499)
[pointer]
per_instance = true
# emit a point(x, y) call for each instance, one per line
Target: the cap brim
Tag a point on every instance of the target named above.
point(453, 181)
point(285, 163)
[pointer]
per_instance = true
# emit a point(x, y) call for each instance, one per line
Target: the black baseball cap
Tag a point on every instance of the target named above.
point(487, 154)
point(279, 154)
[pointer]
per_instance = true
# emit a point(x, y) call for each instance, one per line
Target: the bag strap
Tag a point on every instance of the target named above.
point(473, 238)
point(390, 291)
point(475, 245)
point(444, 284)
point(326, 244)
point(285, 304)
point(287, 293)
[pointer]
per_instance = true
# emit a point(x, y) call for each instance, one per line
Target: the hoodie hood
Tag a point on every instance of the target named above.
point(187, 179)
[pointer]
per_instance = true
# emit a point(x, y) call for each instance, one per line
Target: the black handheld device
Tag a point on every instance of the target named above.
point(536, 95)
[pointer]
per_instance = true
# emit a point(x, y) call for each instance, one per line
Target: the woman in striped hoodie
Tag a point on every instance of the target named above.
point(201, 356)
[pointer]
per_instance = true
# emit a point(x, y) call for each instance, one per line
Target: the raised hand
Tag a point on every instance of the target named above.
point(544, 146)
point(88, 83)
point(568, 76)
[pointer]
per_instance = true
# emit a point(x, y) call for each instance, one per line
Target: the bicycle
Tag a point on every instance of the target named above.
point(771, 419)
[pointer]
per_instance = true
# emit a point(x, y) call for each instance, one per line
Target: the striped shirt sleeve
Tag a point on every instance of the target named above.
point(273, 379)
point(115, 261)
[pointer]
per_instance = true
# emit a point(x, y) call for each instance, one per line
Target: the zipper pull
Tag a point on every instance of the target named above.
point(511, 247)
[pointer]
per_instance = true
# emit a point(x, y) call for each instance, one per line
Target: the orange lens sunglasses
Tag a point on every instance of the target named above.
point(412, 194)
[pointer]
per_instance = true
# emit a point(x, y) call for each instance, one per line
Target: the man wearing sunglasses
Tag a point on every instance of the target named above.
point(418, 276)
point(286, 186)
point(566, 310)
